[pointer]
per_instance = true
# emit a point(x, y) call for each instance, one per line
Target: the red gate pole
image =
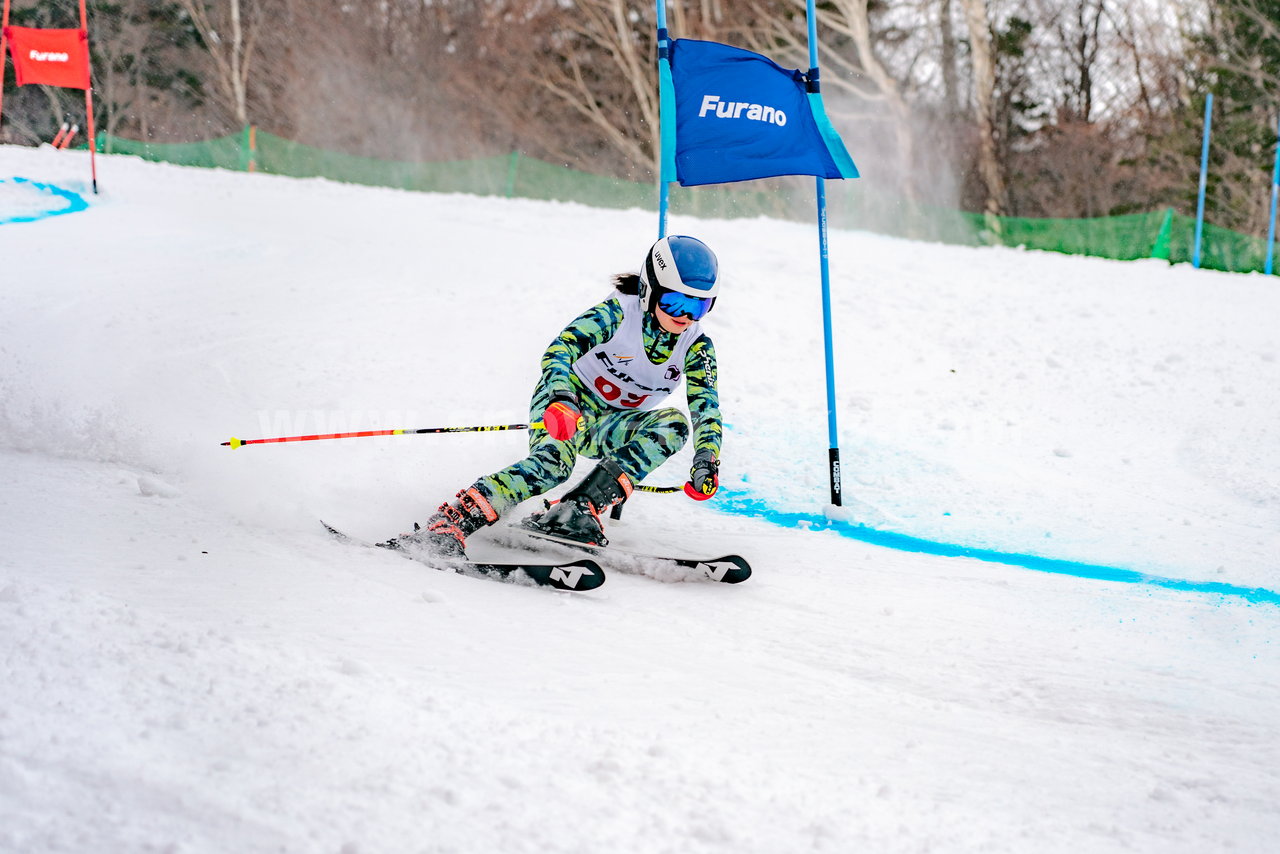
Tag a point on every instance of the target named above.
point(88, 101)
point(4, 54)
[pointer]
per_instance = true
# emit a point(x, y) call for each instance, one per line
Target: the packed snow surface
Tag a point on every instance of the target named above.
point(189, 664)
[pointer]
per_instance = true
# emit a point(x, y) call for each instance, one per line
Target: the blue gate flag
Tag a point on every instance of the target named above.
point(740, 116)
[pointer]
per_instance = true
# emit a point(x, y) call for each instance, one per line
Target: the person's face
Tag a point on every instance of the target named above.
point(669, 323)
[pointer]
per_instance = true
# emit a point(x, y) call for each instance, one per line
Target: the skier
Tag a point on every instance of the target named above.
point(602, 380)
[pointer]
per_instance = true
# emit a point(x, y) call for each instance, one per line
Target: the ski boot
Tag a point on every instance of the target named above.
point(445, 532)
point(576, 516)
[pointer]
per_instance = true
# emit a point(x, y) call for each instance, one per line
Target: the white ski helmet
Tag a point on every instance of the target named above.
point(681, 273)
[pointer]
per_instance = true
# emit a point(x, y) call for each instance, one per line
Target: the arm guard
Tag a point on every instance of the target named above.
point(704, 397)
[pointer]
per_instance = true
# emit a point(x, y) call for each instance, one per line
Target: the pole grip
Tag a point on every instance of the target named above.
point(837, 487)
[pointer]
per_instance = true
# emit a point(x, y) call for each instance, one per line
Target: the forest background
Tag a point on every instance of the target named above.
point(1036, 108)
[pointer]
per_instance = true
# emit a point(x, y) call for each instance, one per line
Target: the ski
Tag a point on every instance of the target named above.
point(577, 576)
point(726, 569)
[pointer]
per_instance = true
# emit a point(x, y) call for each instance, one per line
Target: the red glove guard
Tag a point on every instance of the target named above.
point(561, 420)
point(695, 494)
point(700, 496)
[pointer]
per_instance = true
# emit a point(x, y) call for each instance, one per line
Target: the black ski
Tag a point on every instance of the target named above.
point(727, 569)
point(578, 575)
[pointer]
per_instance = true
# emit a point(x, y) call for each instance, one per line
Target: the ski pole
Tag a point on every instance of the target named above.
point(236, 443)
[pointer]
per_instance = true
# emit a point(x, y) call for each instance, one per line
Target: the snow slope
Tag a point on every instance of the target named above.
point(187, 663)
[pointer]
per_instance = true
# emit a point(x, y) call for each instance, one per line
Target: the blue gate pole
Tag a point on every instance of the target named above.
point(1275, 195)
point(833, 433)
point(1204, 178)
point(666, 136)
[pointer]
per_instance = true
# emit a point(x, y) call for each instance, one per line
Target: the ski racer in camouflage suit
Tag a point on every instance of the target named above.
point(603, 378)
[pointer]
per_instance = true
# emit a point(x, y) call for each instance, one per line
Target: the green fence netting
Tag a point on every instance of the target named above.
point(1159, 234)
point(228, 152)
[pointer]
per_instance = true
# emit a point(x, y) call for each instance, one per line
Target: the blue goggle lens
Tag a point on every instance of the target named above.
point(677, 304)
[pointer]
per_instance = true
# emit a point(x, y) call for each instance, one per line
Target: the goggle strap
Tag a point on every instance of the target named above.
point(651, 275)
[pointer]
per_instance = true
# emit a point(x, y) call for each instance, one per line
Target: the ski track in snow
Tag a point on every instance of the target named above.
point(188, 663)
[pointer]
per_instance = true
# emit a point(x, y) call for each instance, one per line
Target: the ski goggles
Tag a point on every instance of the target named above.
point(677, 304)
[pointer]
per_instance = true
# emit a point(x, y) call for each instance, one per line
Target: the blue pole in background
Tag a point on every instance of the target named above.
point(1275, 195)
point(666, 136)
point(1204, 178)
point(833, 436)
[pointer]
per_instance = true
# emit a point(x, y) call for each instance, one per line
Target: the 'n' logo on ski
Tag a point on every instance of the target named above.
point(716, 572)
point(569, 578)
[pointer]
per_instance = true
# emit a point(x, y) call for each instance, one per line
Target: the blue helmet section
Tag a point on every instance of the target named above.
point(679, 264)
point(699, 271)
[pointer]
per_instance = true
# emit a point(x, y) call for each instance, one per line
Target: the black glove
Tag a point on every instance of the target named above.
point(704, 476)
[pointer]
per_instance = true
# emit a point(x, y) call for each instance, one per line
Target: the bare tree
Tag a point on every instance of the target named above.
point(143, 69)
point(582, 79)
point(1072, 58)
point(984, 85)
point(1243, 57)
point(229, 30)
point(1065, 108)
point(626, 114)
point(861, 87)
point(397, 80)
point(1155, 53)
point(573, 84)
point(1248, 40)
point(947, 57)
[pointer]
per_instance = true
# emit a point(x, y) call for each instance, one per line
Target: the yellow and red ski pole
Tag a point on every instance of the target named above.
point(316, 437)
point(236, 443)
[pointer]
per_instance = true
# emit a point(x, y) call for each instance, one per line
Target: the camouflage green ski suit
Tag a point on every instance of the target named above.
point(638, 441)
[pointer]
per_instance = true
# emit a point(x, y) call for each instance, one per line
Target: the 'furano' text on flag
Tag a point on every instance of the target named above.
point(740, 116)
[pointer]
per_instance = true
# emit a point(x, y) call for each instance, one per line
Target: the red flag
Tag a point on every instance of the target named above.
point(52, 57)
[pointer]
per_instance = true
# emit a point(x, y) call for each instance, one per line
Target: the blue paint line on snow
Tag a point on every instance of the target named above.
point(742, 504)
point(74, 202)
